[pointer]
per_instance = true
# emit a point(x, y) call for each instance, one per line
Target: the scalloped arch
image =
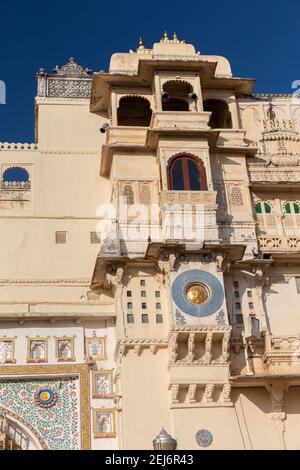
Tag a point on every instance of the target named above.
point(16, 174)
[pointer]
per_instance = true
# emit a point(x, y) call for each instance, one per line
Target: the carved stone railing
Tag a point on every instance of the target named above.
point(282, 354)
point(69, 81)
point(279, 244)
point(189, 216)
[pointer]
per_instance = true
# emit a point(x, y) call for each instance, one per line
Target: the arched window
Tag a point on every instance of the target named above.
point(292, 217)
point(177, 93)
point(261, 208)
point(265, 217)
point(221, 116)
point(292, 208)
point(16, 175)
point(134, 111)
point(187, 173)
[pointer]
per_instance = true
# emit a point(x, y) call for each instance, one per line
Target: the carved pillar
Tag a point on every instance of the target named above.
point(42, 83)
point(166, 264)
point(115, 279)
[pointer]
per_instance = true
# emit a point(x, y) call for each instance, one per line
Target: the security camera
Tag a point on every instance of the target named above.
point(193, 96)
point(104, 128)
point(165, 96)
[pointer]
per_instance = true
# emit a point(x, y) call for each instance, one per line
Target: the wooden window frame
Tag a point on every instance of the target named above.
point(186, 180)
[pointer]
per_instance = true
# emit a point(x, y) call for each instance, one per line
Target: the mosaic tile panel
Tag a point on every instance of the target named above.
point(59, 425)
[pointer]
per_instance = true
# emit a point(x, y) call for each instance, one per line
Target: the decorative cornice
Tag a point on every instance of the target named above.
point(70, 152)
point(202, 329)
point(15, 146)
point(272, 95)
point(62, 100)
point(81, 282)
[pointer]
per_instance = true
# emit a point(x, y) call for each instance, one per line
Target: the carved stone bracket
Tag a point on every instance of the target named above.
point(222, 263)
point(114, 276)
point(208, 348)
point(278, 416)
point(226, 394)
point(208, 394)
point(277, 393)
point(175, 392)
point(166, 263)
point(192, 393)
point(138, 346)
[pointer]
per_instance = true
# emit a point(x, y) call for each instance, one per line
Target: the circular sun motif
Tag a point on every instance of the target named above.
point(45, 397)
point(197, 294)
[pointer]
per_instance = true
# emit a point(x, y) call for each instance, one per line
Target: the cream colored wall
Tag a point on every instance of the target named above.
point(65, 124)
point(282, 305)
point(152, 329)
point(187, 422)
point(134, 166)
point(145, 399)
point(259, 432)
point(43, 329)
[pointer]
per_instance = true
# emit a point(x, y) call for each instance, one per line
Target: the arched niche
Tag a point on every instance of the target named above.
point(178, 92)
point(134, 111)
point(220, 115)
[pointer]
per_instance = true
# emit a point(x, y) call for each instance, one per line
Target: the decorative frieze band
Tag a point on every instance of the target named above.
point(81, 282)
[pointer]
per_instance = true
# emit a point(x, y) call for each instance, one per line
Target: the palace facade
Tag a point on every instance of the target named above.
point(150, 260)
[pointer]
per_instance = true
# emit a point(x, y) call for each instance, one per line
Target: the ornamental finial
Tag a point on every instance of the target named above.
point(175, 36)
point(165, 35)
point(141, 42)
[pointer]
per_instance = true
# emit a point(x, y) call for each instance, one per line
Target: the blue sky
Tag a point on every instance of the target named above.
point(260, 38)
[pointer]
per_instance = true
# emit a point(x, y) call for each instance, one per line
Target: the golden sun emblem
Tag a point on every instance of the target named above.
point(197, 294)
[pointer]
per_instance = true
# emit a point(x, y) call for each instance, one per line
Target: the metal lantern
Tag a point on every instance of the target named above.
point(164, 441)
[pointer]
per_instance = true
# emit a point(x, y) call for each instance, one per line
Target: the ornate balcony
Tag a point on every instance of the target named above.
point(271, 244)
point(124, 136)
point(189, 216)
point(177, 120)
point(282, 354)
